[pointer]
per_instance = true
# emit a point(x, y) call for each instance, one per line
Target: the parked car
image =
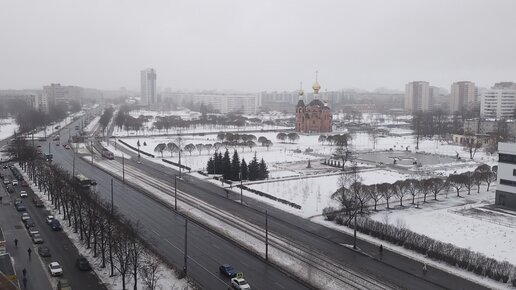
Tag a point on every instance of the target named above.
point(56, 225)
point(6, 181)
point(17, 201)
point(240, 284)
point(25, 216)
point(55, 269)
point(23, 194)
point(44, 251)
point(83, 264)
point(29, 223)
point(227, 270)
point(50, 218)
point(21, 207)
point(5, 166)
point(15, 182)
point(10, 189)
point(63, 284)
point(32, 231)
point(1, 176)
point(93, 182)
point(37, 239)
point(37, 202)
point(24, 183)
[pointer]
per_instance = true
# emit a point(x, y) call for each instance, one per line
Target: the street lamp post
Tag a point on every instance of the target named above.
point(92, 153)
point(186, 246)
point(241, 190)
point(266, 236)
point(123, 168)
point(175, 192)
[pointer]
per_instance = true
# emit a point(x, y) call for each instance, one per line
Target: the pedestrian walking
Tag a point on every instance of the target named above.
point(381, 249)
point(24, 271)
point(16, 243)
point(425, 269)
point(30, 252)
point(24, 282)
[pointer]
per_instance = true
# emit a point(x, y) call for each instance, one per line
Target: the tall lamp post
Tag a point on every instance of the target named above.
point(186, 246)
point(175, 192)
point(123, 168)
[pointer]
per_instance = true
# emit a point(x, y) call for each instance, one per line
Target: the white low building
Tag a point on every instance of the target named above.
point(506, 188)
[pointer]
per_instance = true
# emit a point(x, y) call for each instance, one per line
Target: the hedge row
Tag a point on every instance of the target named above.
point(449, 253)
point(261, 193)
point(136, 149)
point(177, 164)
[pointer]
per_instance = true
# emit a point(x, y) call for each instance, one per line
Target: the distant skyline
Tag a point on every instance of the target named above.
point(256, 45)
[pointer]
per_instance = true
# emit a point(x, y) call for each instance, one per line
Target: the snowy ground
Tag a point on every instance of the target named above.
point(7, 128)
point(168, 278)
point(92, 125)
point(50, 129)
point(463, 221)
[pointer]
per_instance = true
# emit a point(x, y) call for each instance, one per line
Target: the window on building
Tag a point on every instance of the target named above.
point(514, 172)
point(507, 158)
point(508, 182)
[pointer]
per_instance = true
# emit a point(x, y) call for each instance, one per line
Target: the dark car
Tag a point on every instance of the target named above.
point(44, 251)
point(56, 225)
point(10, 189)
point(93, 182)
point(227, 270)
point(21, 207)
point(24, 183)
point(83, 264)
point(29, 223)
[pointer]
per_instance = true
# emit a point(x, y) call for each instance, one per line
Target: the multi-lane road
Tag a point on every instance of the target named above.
point(164, 229)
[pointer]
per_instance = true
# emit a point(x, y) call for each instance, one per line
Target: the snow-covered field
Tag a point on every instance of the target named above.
point(7, 128)
point(463, 221)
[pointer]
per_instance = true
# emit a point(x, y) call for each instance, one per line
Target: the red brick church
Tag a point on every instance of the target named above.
point(315, 117)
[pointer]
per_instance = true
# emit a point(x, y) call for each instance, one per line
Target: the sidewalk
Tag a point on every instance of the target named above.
point(37, 277)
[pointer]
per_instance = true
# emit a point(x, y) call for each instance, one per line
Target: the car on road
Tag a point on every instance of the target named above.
point(83, 264)
point(6, 181)
point(21, 207)
point(23, 194)
point(93, 182)
point(29, 224)
point(1, 176)
point(15, 182)
point(44, 251)
point(227, 270)
point(240, 284)
point(37, 202)
point(39, 146)
point(24, 183)
point(55, 225)
point(32, 231)
point(10, 189)
point(55, 269)
point(5, 166)
point(17, 201)
point(37, 239)
point(66, 146)
point(50, 218)
point(25, 216)
point(57, 144)
point(63, 284)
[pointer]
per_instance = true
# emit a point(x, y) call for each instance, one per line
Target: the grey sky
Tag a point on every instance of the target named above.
point(256, 45)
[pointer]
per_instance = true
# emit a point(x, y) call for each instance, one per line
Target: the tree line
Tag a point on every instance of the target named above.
point(102, 229)
point(234, 169)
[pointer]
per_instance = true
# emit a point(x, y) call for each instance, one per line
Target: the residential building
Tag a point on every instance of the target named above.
point(229, 102)
point(58, 94)
point(490, 127)
point(463, 94)
point(498, 103)
point(315, 117)
point(417, 96)
point(506, 181)
point(148, 92)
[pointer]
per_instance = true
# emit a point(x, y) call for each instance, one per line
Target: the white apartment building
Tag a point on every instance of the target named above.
point(148, 92)
point(417, 96)
point(498, 103)
point(227, 103)
point(462, 95)
point(506, 180)
point(58, 94)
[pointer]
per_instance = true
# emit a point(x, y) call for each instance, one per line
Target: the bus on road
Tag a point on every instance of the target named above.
point(83, 180)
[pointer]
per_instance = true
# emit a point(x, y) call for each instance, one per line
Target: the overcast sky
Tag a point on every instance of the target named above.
point(256, 45)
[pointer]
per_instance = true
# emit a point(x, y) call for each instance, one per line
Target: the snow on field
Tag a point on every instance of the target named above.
point(50, 129)
point(314, 193)
point(461, 221)
point(7, 128)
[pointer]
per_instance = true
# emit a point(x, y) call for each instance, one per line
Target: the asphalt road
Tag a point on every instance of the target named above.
point(61, 248)
point(393, 268)
point(165, 230)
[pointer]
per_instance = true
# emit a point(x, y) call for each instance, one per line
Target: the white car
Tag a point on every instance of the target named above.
point(55, 269)
point(6, 181)
point(50, 218)
point(32, 231)
point(15, 182)
point(240, 284)
point(25, 216)
point(23, 193)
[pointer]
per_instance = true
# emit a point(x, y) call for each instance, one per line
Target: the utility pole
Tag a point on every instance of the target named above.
point(186, 245)
point(112, 204)
point(73, 165)
point(175, 192)
point(91, 146)
point(266, 236)
point(123, 168)
point(179, 160)
point(241, 190)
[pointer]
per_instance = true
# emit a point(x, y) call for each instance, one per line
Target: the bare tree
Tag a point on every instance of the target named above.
point(190, 148)
point(387, 191)
point(471, 144)
point(150, 271)
point(199, 147)
point(375, 194)
point(160, 148)
point(400, 190)
point(456, 181)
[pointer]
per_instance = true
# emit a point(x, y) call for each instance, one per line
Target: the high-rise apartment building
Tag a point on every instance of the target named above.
point(506, 177)
point(417, 96)
point(462, 95)
point(148, 87)
point(498, 103)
